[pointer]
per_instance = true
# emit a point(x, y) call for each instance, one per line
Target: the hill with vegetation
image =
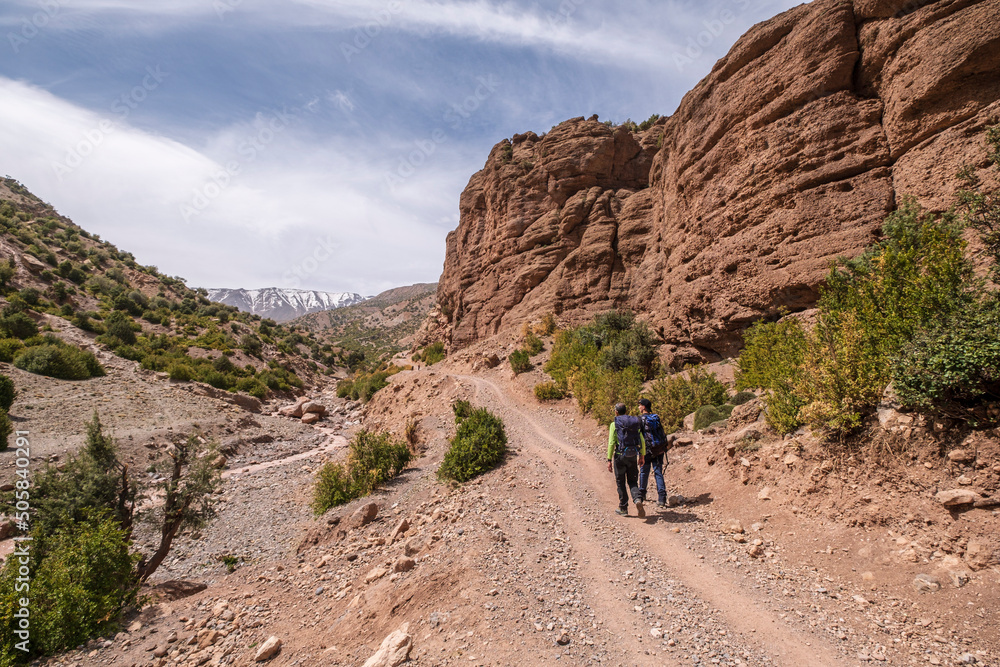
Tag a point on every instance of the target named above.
point(369, 332)
point(56, 277)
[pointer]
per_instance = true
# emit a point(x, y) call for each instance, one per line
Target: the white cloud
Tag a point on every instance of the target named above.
point(179, 209)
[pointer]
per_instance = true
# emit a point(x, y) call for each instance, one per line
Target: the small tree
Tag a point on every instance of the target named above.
point(95, 479)
point(187, 497)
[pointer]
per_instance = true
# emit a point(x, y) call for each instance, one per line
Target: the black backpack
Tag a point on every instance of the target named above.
point(627, 429)
point(656, 438)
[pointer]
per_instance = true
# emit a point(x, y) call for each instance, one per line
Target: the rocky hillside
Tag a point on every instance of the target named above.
point(281, 304)
point(788, 154)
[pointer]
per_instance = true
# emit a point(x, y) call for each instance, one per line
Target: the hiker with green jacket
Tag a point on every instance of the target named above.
point(626, 449)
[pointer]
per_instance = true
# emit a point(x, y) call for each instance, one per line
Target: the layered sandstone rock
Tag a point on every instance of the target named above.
point(789, 154)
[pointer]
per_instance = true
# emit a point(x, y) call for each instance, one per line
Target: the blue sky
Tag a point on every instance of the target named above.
point(320, 144)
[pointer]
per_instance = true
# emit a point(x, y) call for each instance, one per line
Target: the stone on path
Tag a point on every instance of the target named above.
point(957, 497)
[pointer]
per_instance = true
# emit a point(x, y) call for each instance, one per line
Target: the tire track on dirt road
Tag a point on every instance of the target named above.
point(748, 618)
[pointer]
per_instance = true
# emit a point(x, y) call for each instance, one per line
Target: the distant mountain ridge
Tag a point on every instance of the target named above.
point(380, 326)
point(282, 304)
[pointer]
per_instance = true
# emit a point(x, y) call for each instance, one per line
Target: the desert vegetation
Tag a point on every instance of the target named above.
point(604, 362)
point(85, 572)
point(373, 459)
point(479, 445)
point(910, 314)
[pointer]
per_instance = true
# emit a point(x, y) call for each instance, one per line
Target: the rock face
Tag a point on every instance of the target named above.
point(788, 154)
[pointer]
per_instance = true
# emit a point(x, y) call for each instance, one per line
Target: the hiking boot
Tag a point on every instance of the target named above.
point(621, 512)
point(661, 505)
point(639, 508)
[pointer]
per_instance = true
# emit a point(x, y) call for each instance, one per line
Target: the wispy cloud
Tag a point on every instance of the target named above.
point(132, 187)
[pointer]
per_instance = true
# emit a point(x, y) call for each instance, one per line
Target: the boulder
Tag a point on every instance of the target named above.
point(404, 564)
point(399, 530)
point(268, 649)
point(295, 409)
point(962, 456)
point(732, 527)
point(312, 407)
point(7, 527)
point(394, 650)
point(375, 574)
point(926, 583)
point(310, 418)
point(689, 422)
point(957, 497)
point(362, 516)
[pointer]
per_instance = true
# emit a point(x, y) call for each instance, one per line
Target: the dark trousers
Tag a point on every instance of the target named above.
point(655, 463)
point(627, 477)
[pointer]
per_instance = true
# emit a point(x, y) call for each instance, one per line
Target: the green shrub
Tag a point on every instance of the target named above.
point(597, 390)
point(479, 445)
point(705, 416)
point(433, 353)
point(120, 328)
point(374, 459)
point(333, 487)
point(65, 362)
point(366, 386)
point(533, 344)
point(676, 396)
point(772, 360)
point(7, 271)
point(78, 589)
point(18, 325)
point(82, 321)
point(604, 362)
point(742, 397)
point(7, 392)
point(181, 372)
point(547, 326)
point(462, 410)
point(6, 428)
point(252, 386)
point(520, 361)
point(223, 364)
point(9, 347)
point(345, 388)
point(548, 391)
point(30, 295)
point(872, 306)
point(952, 368)
point(218, 380)
point(251, 344)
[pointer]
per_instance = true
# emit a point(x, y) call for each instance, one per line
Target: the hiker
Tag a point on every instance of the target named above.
point(656, 453)
point(625, 445)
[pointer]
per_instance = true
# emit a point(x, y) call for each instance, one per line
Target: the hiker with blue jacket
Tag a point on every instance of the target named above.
point(626, 449)
point(656, 452)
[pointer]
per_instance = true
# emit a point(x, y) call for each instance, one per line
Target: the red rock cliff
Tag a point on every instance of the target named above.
point(788, 154)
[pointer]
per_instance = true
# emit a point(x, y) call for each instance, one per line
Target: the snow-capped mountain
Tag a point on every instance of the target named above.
point(281, 304)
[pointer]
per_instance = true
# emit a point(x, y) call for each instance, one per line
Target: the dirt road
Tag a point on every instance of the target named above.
point(579, 482)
